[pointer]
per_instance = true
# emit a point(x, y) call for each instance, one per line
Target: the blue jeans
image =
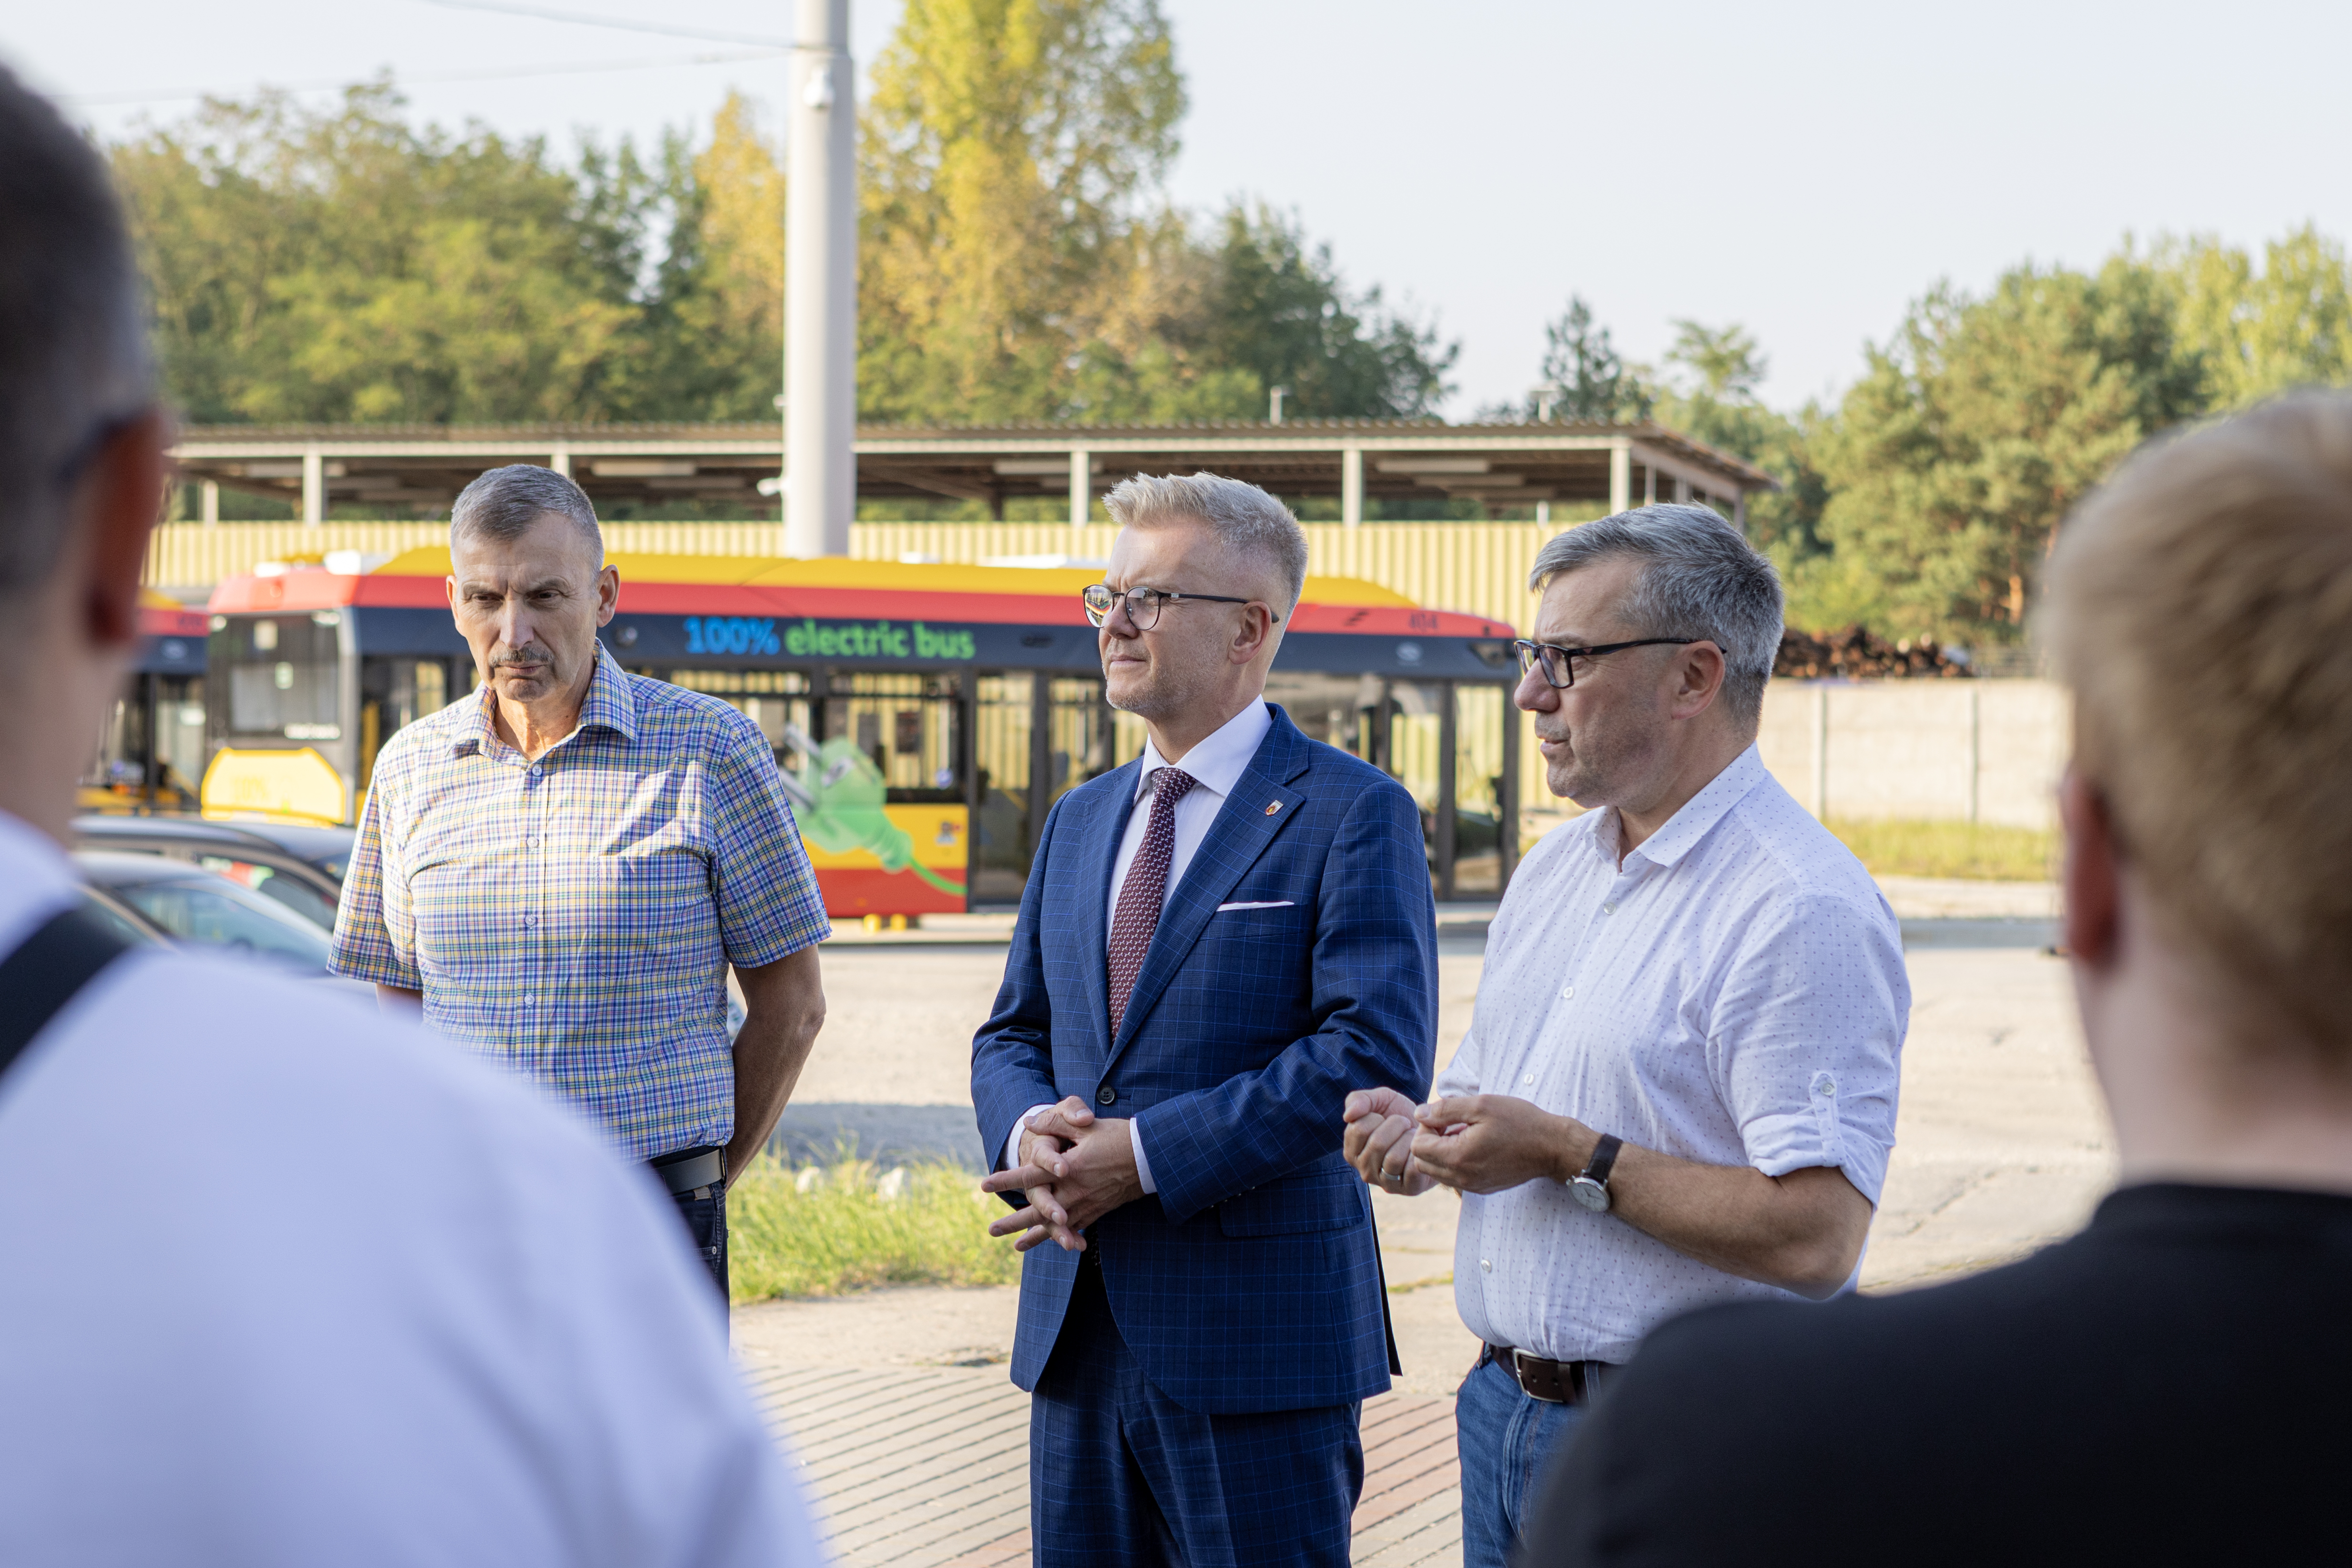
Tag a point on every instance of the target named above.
point(1506, 1437)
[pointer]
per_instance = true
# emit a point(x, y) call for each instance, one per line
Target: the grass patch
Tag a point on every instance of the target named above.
point(1975, 850)
point(830, 1229)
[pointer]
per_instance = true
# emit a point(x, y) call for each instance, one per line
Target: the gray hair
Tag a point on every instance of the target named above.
point(1699, 579)
point(74, 366)
point(1244, 517)
point(503, 503)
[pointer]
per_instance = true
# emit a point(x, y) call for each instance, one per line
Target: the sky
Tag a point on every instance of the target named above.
point(1805, 169)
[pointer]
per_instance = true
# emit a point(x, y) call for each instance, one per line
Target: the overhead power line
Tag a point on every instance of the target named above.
point(622, 23)
point(182, 95)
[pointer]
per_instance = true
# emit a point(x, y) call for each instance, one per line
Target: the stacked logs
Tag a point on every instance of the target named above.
point(1854, 654)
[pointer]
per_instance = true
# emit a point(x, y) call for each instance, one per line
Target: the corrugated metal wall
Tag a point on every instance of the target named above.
point(1479, 567)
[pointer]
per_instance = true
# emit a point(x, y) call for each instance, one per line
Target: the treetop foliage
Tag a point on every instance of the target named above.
point(1018, 259)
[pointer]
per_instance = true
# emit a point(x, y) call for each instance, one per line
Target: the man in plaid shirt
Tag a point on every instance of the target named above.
point(559, 871)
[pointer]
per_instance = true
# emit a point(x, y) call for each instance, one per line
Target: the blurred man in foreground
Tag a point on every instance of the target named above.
point(285, 1283)
point(2165, 1386)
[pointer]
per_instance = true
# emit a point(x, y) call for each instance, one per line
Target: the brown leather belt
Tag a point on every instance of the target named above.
point(1553, 1382)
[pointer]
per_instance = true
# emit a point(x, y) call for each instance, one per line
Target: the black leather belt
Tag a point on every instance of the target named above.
point(1553, 1382)
point(688, 1172)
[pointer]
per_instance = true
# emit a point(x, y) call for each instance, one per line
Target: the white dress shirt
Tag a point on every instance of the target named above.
point(1215, 766)
point(1732, 994)
point(288, 1283)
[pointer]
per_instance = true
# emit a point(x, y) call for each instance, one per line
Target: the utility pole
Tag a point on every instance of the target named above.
point(821, 286)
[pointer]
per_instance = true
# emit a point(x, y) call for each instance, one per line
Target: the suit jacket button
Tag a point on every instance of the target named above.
point(1107, 1095)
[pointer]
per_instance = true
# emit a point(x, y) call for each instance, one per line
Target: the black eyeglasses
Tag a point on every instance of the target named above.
point(1143, 604)
point(1559, 663)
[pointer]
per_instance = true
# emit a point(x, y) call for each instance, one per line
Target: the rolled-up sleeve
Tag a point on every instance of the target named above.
point(375, 931)
point(769, 906)
point(1806, 1038)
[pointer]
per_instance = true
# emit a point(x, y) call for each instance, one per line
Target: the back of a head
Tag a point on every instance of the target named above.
point(1251, 524)
point(73, 357)
point(1700, 579)
point(2199, 605)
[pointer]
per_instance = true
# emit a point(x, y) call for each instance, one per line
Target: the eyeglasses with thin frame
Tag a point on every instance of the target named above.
point(1559, 663)
point(1143, 604)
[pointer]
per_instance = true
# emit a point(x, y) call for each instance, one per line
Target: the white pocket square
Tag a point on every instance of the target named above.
point(1276, 904)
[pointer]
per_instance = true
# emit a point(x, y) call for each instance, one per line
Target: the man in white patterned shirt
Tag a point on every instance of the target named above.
point(1679, 1084)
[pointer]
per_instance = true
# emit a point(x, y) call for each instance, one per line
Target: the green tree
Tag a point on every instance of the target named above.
point(1980, 424)
point(2261, 331)
point(1710, 394)
point(1595, 385)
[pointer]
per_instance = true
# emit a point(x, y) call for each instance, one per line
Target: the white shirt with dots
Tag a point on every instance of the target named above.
point(1733, 993)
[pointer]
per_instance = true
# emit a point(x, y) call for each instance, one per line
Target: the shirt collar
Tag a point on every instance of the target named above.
point(609, 705)
point(1217, 764)
point(1699, 814)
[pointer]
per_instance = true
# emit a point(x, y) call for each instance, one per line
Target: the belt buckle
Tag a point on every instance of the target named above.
point(1519, 1360)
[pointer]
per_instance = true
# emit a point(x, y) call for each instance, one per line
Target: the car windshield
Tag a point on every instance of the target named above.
point(105, 914)
point(215, 912)
point(296, 894)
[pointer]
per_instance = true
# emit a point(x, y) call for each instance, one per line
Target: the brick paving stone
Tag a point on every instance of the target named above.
point(929, 1467)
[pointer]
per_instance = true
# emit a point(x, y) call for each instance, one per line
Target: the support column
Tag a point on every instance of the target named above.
point(821, 286)
point(1351, 487)
point(1543, 511)
point(1649, 484)
point(1739, 510)
point(561, 462)
point(210, 491)
point(314, 487)
point(1681, 493)
point(1082, 486)
point(1620, 476)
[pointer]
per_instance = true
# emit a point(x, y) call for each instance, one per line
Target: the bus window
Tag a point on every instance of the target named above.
point(283, 679)
point(1480, 714)
point(1416, 726)
point(394, 694)
point(1333, 708)
point(1081, 747)
point(907, 723)
point(1000, 866)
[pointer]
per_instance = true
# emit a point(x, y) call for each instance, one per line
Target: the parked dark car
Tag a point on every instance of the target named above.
point(301, 868)
point(183, 905)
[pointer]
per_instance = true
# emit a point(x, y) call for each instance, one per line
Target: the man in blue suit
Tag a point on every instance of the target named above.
point(1218, 941)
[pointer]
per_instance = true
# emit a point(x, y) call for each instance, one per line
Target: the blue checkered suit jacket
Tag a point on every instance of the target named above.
point(1251, 1280)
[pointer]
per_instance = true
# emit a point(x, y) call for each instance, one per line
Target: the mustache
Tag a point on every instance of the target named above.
point(529, 653)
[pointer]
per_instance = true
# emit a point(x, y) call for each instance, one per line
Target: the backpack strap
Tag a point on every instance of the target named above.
point(48, 970)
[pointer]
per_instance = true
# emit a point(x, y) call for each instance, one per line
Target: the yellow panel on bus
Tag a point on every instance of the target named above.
point(301, 785)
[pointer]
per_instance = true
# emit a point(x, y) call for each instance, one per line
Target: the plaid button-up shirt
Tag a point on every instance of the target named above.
point(573, 917)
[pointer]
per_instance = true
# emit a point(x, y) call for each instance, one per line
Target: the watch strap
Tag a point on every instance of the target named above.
point(1604, 1159)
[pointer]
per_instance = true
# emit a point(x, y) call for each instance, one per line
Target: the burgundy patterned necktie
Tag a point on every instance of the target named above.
point(1146, 887)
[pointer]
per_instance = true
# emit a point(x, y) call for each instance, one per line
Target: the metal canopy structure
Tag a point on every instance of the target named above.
point(1355, 460)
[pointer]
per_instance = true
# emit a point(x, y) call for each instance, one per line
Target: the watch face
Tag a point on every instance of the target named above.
point(1591, 1194)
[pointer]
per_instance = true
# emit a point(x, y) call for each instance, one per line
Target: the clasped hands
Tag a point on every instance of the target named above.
point(1073, 1169)
point(1472, 1143)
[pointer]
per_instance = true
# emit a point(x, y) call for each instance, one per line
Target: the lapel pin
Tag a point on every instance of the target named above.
point(1272, 808)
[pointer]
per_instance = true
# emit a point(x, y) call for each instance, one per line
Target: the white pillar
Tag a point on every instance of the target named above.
point(1543, 511)
point(1082, 486)
point(1740, 510)
point(210, 492)
point(1649, 484)
point(314, 487)
point(1682, 492)
point(1621, 477)
point(1351, 486)
point(561, 462)
point(821, 287)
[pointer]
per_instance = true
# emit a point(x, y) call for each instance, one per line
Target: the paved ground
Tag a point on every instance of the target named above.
point(2001, 1147)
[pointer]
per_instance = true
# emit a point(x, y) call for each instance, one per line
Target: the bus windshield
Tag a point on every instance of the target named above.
point(282, 675)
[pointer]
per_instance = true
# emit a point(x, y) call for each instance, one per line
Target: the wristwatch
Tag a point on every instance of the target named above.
point(1591, 1188)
